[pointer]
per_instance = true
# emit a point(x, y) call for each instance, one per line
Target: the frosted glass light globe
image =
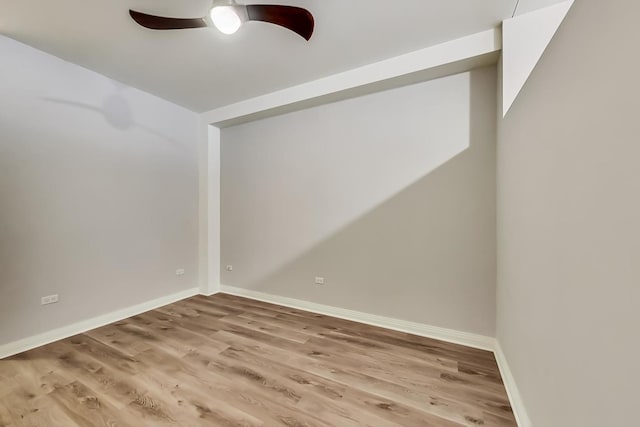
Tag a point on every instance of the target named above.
point(226, 19)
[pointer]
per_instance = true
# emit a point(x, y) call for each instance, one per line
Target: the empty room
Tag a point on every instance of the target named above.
point(319, 213)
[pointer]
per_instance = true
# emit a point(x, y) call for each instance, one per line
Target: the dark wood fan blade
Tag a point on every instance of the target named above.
point(164, 23)
point(294, 18)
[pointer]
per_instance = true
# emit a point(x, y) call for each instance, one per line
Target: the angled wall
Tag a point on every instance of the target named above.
point(568, 224)
point(525, 38)
point(99, 190)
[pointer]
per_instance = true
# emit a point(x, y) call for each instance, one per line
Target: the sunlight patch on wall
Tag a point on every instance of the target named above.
point(324, 168)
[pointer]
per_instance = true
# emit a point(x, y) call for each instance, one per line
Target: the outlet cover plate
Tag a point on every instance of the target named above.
point(49, 299)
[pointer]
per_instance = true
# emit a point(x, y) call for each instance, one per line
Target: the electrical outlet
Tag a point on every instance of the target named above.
point(180, 272)
point(229, 267)
point(49, 299)
point(319, 280)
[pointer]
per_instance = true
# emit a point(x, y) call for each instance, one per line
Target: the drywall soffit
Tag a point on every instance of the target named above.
point(449, 58)
point(524, 40)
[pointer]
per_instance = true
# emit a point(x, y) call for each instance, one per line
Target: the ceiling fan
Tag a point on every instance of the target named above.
point(227, 16)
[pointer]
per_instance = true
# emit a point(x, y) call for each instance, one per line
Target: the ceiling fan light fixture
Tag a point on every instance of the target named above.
point(226, 19)
point(228, 16)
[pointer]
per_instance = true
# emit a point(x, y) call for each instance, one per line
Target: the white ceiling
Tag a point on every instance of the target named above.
point(203, 69)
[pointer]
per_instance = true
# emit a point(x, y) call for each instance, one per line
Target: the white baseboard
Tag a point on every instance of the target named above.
point(443, 334)
point(209, 290)
point(34, 341)
point(509, 381)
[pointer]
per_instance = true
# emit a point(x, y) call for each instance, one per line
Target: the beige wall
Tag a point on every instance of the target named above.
point(568, 224)
point(390, 197)
point(98, 194)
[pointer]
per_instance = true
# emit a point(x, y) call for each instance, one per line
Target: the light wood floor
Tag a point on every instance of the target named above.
point(230, 361)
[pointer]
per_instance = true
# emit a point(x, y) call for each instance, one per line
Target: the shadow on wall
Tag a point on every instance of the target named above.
point(93, 208)
point(425, 254)
point(116, 111)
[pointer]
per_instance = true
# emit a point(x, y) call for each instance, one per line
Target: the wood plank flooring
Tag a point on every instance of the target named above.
point(230, 361)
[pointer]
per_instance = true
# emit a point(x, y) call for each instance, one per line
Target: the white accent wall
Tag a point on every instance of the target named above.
point(98, 194)
point(568, 224)
point(390, 197)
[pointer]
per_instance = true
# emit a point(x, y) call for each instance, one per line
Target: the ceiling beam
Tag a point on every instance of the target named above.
point(432, 62)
